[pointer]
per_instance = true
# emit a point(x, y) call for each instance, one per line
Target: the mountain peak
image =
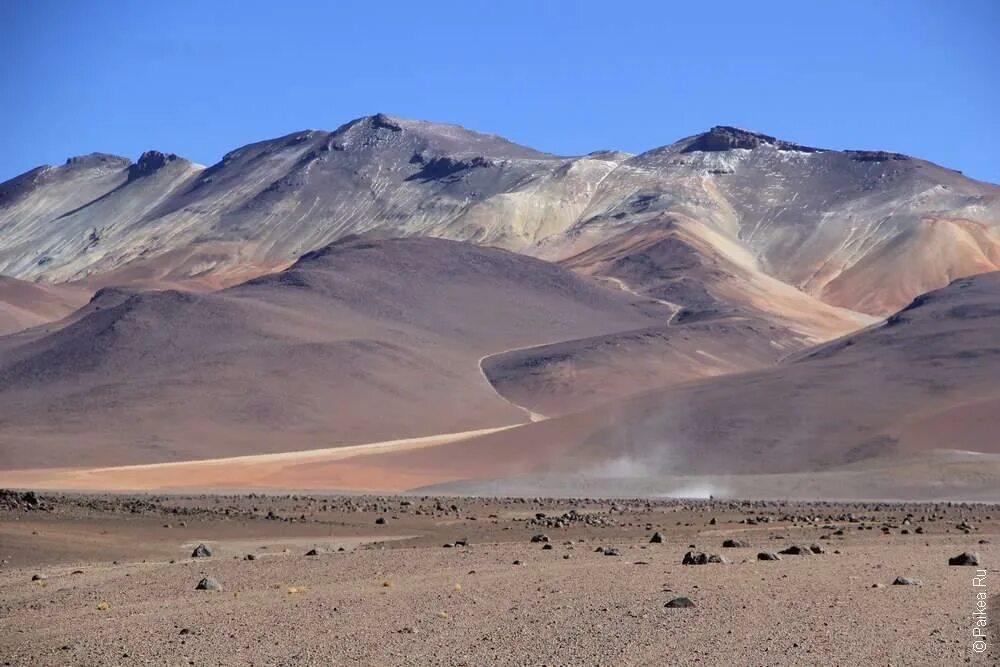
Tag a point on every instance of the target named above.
point(442, 138)
point(97, 160)
point(149, 162)
point(725, 137)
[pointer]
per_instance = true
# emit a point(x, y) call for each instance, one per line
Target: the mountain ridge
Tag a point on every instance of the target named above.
point(829, 224)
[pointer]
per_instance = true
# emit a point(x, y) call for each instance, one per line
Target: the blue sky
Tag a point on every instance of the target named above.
point(202, 78)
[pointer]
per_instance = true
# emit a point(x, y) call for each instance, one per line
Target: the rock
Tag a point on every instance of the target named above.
point(540, 537)
point(250, 557)
point(380, 521)
point(966, 558)
point(817, 549)
point(38, 577)
point(694, 558)
point(768, 555)
point(701, 558)
point(546, 547)
point(734, 544)
point(313, 552)
point(679, 603)
point(905, 581)
point(610, 551)
point(208, 584)
point(201, 551)
point(657, 538)
point(464, 542)
point(796, 550)
point(448, 545)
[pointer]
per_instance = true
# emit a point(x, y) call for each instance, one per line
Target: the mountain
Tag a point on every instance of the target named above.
point(863, 230)
point(361, 340)
point(662, 314)
point(270, 202)
point(903, 409)
point(719, 222)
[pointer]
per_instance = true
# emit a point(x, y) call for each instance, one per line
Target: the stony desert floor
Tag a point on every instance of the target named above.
point(110, 580)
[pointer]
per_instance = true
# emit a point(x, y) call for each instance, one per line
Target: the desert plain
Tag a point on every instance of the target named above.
point(102, 579)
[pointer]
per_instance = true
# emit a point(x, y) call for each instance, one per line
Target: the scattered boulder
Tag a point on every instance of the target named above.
point(768, 555)
point(380, 521)
point(250, 557)
point(817, 549)
point(208, 584)
point(905, 581)
point(314, 552)
point(796, 550)
point(610, 551)
point(540, 537)
point(546, 547)
point(38, 577)
point(702, 558)
point(679, 603)
point(657, 538)
point(965, 558)
point(734, 544)
point(201, 551)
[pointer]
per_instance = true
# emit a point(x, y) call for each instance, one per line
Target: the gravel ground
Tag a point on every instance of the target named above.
point(397, 596)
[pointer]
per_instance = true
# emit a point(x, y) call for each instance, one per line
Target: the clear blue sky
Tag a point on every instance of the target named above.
point(202, 78)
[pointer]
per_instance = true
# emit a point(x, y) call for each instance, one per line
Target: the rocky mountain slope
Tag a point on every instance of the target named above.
point(744, 216)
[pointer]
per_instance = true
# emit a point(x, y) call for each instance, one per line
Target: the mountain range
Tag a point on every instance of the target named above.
point(729, 304)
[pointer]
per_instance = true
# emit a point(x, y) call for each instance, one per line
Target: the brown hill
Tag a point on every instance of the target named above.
point(897, 408)
point(360, 341)
point(24, 304)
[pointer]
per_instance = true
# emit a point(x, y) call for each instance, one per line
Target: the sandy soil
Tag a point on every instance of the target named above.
point(119, 585)
point(333, 468)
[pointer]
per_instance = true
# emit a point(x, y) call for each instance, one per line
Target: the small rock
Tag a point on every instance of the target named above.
point(678, 603)
point(796, 550)
point(313, 552)
point(201, 551)
point(701, 558)
point(734, 544)
point(38, 577)
point(768, 555)
point(208, 584)
point(657, 538)
point(966, 558)
point(541, 537)
point(905, 581)
point(380, 521)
